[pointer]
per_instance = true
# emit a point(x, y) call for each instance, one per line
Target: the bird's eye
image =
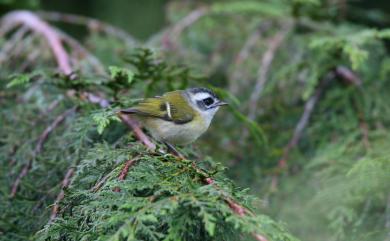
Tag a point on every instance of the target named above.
point(208, 101)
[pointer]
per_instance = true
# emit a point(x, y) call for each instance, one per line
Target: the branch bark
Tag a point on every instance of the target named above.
point(303, 121)
point(131, 123)
point(125, 170)
point(39, 147)
point(65, 183)
point(31, 21)
point(237, 208)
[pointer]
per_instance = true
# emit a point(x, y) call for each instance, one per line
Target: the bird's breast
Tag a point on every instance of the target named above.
point(178, 134)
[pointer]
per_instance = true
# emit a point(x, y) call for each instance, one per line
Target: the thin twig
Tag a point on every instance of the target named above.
point(239, 59)
point(65, 183)
point(348, 76)
point(171, 36)
point(301, 125)
point(39, 147)
point(95, 99)
point(130, 122)
point(22, 174)
point(31, 57)
point(11, 43)
point(125, 170)
point(237, 208)
point(307, 112)
point(91, 23)
point(34, 23)
point(273, 45)
point(102, 181)
point(45, 134)
point(83, 53)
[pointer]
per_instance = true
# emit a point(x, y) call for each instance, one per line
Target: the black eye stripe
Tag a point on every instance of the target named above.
point(208, 101)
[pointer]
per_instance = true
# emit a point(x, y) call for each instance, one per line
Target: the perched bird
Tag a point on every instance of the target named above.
point(177, 117)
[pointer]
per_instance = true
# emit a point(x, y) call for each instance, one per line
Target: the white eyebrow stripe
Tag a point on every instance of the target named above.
point(168, 107)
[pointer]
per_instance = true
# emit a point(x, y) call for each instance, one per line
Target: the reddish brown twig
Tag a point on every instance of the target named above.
point(55, 38)
point(125, 170)
point(39, 147)
point(348, 76)
point(301, 125)
point(94, 99)
point(127, 120)
point(45, 134)
point(259, 237)
point(22, 174)
point(65, 183)
point(31, 21)
point(102, 181)
point(83, 53)
point(234, 206)
point(307, 112)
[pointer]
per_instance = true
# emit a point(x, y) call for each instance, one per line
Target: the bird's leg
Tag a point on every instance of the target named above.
point(173, 150)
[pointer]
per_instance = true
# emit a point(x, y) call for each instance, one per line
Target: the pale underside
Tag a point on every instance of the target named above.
point(177, 134)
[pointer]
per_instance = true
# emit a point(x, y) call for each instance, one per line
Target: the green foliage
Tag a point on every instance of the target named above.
point(118, 73)
point(269, 9)
point(18, 80)
point(103, 119)
point(328, 191)
point(335, 185)
point(162, 198)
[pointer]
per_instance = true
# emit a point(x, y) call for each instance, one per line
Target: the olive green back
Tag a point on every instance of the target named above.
point(172, 106)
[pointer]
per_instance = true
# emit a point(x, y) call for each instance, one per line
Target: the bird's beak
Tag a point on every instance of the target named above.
point(221, 103)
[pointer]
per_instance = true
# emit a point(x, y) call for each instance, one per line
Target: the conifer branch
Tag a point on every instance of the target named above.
point(346, 75)
point(102, 181)
point(54, 37)
point(39, 147)
point(34, 23)
point(242, 55)
point(65, 183)
point(9, 45)
point(126, 119)
point(304, 120)
point(83, 53)
point(125, 170)
point(237, 208)
point(274, 44)
point(91, 23)
point(132, 124)
point(169, 39)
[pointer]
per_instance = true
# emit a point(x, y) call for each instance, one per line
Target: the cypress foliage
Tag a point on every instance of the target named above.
point(119, 190)
point(306, 130)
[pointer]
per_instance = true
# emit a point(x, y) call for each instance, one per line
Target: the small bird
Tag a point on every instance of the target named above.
point(177, 117)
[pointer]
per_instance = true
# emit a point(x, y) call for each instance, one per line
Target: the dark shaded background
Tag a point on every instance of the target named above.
point(144, 18)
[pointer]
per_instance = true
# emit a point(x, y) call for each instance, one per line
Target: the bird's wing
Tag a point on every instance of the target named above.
point(172, 106)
